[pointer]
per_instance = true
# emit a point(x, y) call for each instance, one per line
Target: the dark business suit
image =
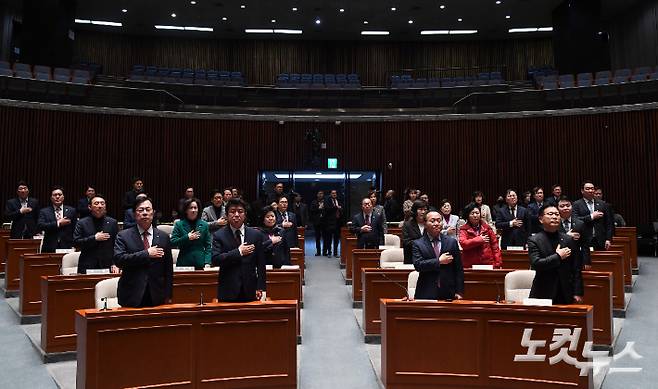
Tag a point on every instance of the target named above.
point(333, 222)
point(288, 234)
point(129, 198)
point(95, 254)
point(278, 254)
point(239, 277)
point(410, 232)
point(23, 226)
point(372, 239)
point(533, 217)
point(83, 208)
point(139, 271)
point(577, 225)
point(511, 236)
point(599, 230)
point(317, 217)
point(436, 281)
point(55, 237)
point(555, 278)
point(301, 213)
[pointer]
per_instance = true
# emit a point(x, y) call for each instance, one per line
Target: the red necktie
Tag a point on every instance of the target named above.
point(368, 220)
point(145, 237)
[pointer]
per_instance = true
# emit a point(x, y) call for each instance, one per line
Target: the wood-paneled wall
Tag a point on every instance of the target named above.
point(445, 158)
point(262, 60)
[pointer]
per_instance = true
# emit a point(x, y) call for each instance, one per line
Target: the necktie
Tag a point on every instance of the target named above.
point(238, 237)
point(590, 205)
point(566, 225)
point(58, 213)
point(145, 239)
point(368, 220)
point(513, 212)
point(436, 244)
point(285, 216)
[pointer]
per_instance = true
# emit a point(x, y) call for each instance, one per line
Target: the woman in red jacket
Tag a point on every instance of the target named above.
point(479, 242)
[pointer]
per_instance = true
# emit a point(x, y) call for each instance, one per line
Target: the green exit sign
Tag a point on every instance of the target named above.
point(332, 163)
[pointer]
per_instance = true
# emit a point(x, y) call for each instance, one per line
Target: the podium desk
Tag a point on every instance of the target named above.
point(470, 344)
point(361, 259)
point(218, 345)
point(15, 248)
point(63, 295)
point(350, 246)
point(344, 253)
point(4, 236)
point(485, 285)
point(630, 232)
point(297, 258)
point(32, 267)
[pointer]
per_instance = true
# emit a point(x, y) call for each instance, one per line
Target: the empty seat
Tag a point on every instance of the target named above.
point(566, 81)
point(166, 228)
point(622, 76)
point(518, 284)
point(162, 72)
point(643, 70)
point(484, 76)
point(639, 77)
point(549, 84)
point(70, 263)
point(6, 72)
point(496, 76)
point(653, 76)
point(480, 82)
point(5, 65)
point(420, 82)
point(23, 74)
point(584, 79)
point(412, 281)
point(107, 290)
point(433, 83)
point(392, 240)
point(81, 76)
point(62, 74)
point(448, 83)
point(22, 67)
point(389, 258)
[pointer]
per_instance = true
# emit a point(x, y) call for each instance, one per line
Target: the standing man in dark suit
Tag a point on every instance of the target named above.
point(94, 236)
point(510, 222)
point(57, 222)
point(556, 195)
point(276, 194)
point(368, 227)
point(83, 203)
point(392, 207)
point(130, 197)
point(334, 219)
point(597, 218)
point(533, 209)
point(238, 251)
point(555, 257)
point(437, 259)
point(143, 253)
point(575, 228)
point(23, 212)
point(317, 216)
point(300, 209)
point(288, 222)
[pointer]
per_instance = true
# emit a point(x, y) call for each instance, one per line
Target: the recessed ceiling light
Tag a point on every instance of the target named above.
point(317, 21)
point(341, 10)
point(507, 17)
point(124, 10)
point(294, 9)
point(498, 1)
point(374, 32)
point(243, 6)
point(442, 6)
point(273, 20)
point(224, 18)
point(410, 22)
point(460, 20)
point(192, 2)
point(173, 15)
point(393, 9)
point(365, 22)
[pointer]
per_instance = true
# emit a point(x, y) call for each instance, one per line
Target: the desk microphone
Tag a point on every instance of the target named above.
point(104, 300)
point(406, 290)
point(201, 303)
point(498, 291)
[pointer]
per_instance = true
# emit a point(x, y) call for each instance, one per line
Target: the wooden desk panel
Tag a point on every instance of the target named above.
point(297, 258)
point(612, 262)
point(344, 252)
point(623, 244)
point(16, 248)
point(485, 285)
point(4, 236)
point(62, 295)
point(32, 267)
point(361, 259)
point(516, 260)
point(350, 246)
point(215, 345)
point(480, 347)
point(631, 233)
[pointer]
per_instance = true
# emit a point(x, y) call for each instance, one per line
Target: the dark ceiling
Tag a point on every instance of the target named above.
point(485, 16)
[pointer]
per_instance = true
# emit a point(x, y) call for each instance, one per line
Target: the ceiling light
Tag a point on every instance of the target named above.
point(498, 1)
point(508, 17)
point(173, 15)
point(294, 9)
point(545, 29)
point(224, 18)
point(365, 22)
point(102, 23)
point(193, 2)
point(124, 10)
point(181, 28)
point(393, 9)
point(243, 6)
point(341, 10)
point(317, 21)
point(273, 20)
point(530, 29)
point(442, 6)
point(83, 21)
point(286, 31)
point(410, 22)
point(259, 31)
point(448, 32)
point(460, 20)
point(463, 32)
point(374, 32)
point(206, 29)
point(160, 27)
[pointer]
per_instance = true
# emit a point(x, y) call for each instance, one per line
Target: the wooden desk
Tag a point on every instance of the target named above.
point(297, 258)
point(361, 259)
point(32, 267)
point(350, 245)
point(630, 232)
point(240, 345)
point(4, 236)
point(62, 295)
point(623, 244)
point(16, 248)
point(483, 285)
point(473, 344)
point(516, 260)
point(344, 233)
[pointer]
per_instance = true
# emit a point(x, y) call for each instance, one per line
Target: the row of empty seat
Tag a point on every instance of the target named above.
point(45, 73)
point(407, 81)
point(186, 76)
point(604, 77)
point(306, 80)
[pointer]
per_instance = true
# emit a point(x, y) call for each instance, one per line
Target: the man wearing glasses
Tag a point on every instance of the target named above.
point(557, 260)
point(143, 254)
point(238, 252)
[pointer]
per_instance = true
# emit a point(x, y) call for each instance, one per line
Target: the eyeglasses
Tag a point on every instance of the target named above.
point(551, 213)
point(234, 211)
point(146, 209)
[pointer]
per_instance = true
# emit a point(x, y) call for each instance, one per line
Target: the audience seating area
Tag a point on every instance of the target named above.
point(46, 73)
point(294, 80)
point(482, 79)
point(605, 77)
point(186, 76)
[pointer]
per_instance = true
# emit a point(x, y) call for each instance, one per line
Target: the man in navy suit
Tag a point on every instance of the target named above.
point(556, 258)
point(510, 222)
point(597, 216)
point(238, 251)
point(94, 236)
point(57, 222)
point(368, 226)
point(23, 212)
point(437, 259)
point(575, 228)
point(143, 253)
point(287, 221)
